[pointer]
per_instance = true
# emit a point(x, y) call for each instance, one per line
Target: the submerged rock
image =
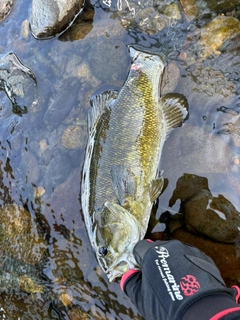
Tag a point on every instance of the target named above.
point(188, 186)
point(214, 217)
point(220, 6)
point(216, 32)
point(190, 8)
point(224, 255)
point(5, 8)
point(49, 18)
point(19, 83)
point(58, 171)
point(62, 103)
point(18, 235)
point(74, 137)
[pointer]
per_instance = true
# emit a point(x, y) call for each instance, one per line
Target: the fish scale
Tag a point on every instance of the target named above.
point(127, 131)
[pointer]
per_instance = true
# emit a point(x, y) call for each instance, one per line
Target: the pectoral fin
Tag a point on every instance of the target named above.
point(175, 109)
point(123, 182)
point(122, 215)
point(155, 189)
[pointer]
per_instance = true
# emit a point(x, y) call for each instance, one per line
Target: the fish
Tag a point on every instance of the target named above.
point(120, 176)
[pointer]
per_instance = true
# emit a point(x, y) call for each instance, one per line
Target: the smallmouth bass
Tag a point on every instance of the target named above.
point(127, 130)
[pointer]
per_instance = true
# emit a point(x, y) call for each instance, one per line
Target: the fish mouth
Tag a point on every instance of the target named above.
point(121, 267)
point(113, 275)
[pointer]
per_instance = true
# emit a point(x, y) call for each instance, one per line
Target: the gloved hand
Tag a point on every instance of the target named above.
point(177, 281)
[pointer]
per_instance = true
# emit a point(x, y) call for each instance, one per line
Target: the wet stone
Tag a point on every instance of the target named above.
point(172, 11)
point(220, 6)
point(62, 103)
point(216, 32)
point(58, 171)
point(74, 137)
point(102, 29)
point(211, 216)
point(149, 20)
point(170, 78)
point(224, 255)
point(188, 186)
point(19, 83)
point(18, 236)
point(190, 8)
point(24, 29)
point(76, 313)
point(5, 8)
point(49, 18)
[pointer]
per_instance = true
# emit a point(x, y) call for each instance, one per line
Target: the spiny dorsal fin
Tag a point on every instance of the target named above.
point(175, 109)
point(99, 104)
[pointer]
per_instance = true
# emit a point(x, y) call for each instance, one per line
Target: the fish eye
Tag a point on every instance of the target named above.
point(102, 251)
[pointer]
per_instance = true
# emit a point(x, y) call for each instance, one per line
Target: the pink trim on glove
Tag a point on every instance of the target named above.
point(223, 313)
point(126, 276)
point(238, 293)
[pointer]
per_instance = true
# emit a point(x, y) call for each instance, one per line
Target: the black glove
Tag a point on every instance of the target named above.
point(177, 281)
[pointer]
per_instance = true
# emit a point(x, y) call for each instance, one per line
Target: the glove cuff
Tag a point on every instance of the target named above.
point(212, 306)
point(126, 277)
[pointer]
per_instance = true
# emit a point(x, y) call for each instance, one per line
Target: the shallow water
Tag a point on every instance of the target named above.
point(37, 154)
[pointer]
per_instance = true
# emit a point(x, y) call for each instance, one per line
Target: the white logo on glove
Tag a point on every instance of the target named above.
point(172, 287)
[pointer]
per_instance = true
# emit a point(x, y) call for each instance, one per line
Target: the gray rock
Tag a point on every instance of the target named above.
point(19, 83)
point(49, 18)
point(58, 171)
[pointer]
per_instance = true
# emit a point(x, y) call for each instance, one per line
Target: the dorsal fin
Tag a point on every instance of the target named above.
point(175, 109)
point(99, 104)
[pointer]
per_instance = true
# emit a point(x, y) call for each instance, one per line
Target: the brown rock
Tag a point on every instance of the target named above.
point(216, 32)
point(214, 217)
point(74, 137)
point(18, 236)
point(224, 255)
point(190, 8)
point(170, 78)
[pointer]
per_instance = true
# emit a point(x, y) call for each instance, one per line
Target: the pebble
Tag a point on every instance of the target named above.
point(24, 29)
point(190, 8)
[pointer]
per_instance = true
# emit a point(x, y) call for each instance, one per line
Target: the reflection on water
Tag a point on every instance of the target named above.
point(42, 153)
